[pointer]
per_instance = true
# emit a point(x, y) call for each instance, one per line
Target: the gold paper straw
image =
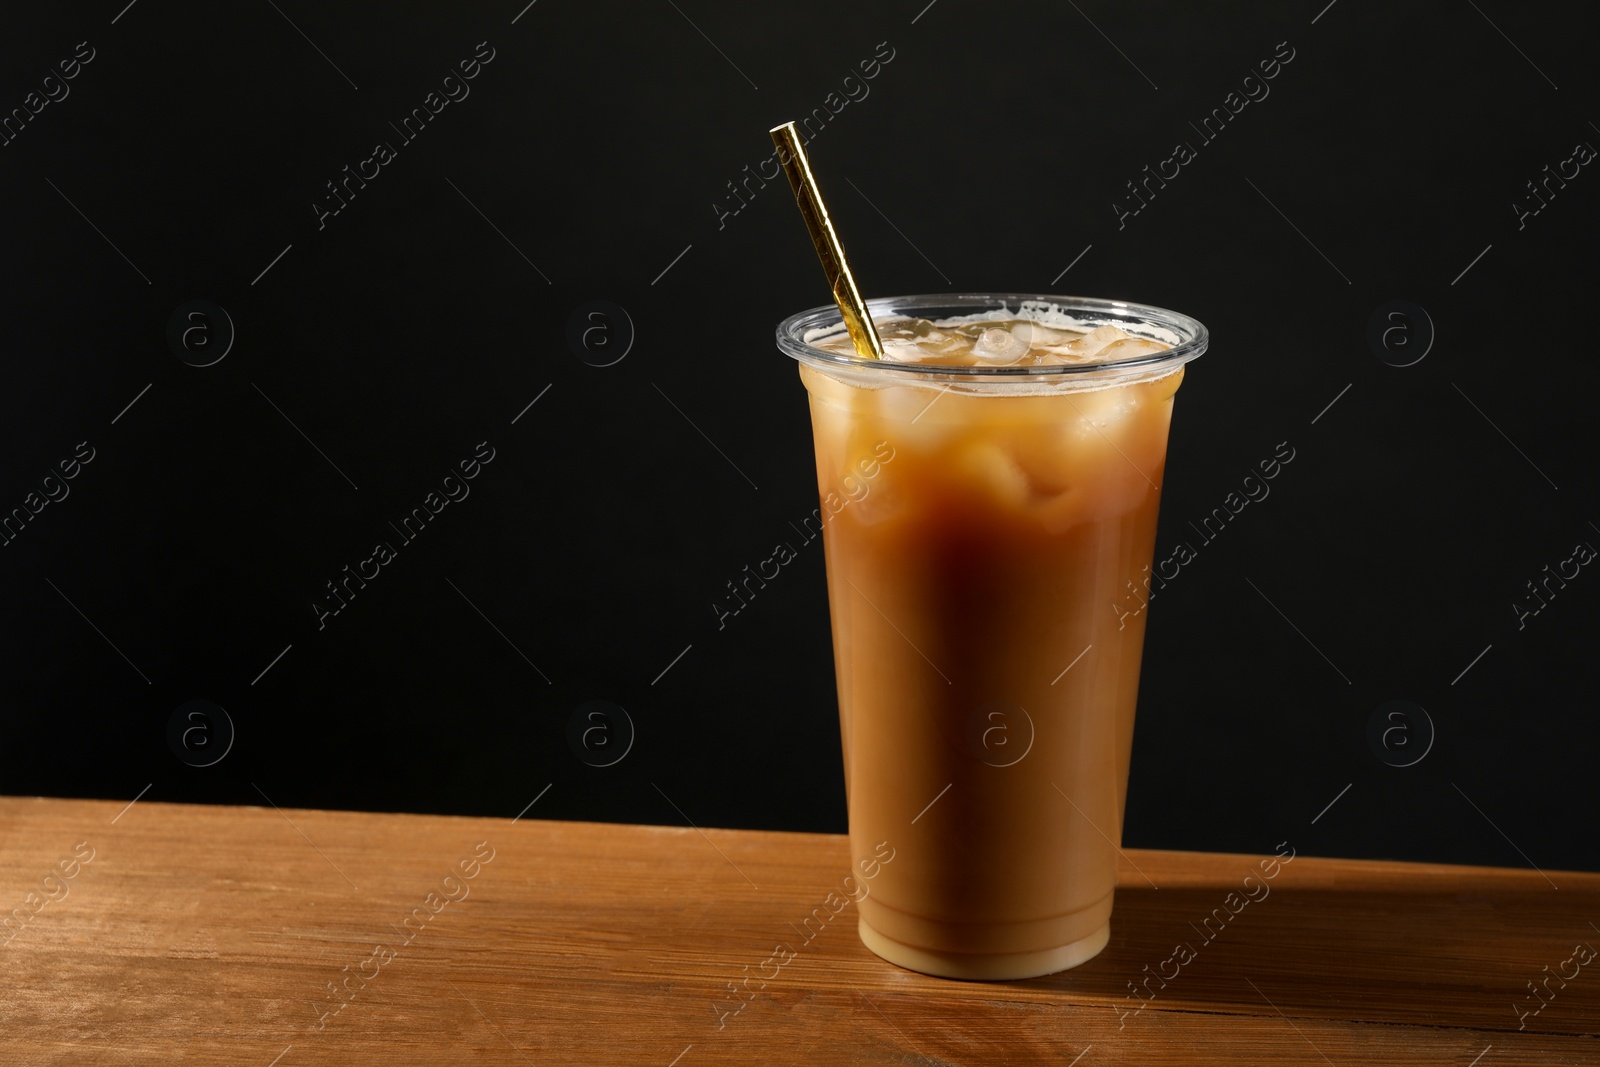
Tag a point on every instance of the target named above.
point(829, 249)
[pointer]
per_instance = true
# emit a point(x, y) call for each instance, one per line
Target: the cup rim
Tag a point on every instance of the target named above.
point(795, 333)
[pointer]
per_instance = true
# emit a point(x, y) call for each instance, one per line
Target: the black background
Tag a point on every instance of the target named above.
point(587, 164)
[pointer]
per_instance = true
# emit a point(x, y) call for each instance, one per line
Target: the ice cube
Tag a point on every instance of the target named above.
point(901, 350)
point(1100, 410)
point(1130, 348)
point(1052, 355)
point(942, 344)
point(827, 391)
point(1061, 512)
point(1035, 334)
point(904, 329)
point(999, 346)
point(883, 501)
point(922, 414)
point(918, 341)
point(1050, 467)
point(1092, 342)
point(990, 466)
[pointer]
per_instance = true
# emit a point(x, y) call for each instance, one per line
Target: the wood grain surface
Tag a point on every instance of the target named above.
point(158, 933)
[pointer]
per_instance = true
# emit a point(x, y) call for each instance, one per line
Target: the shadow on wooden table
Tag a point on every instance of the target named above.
point(1456, 952)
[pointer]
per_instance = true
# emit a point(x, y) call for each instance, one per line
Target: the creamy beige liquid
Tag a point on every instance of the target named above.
point(992, 548)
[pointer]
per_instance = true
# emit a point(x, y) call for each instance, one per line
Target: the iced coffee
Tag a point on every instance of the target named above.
point(987, 664)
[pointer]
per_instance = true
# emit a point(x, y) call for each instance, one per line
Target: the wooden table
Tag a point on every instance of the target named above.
point(159, 933)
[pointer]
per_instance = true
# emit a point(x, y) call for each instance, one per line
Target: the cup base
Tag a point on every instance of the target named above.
point(976, 966)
